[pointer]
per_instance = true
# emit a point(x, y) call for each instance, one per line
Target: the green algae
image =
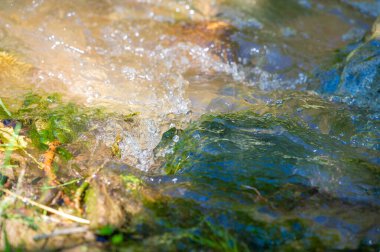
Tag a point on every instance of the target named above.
point(49, 119)
point(177, 224)
point(271, 178)
point(132, 183)
point(46, 118)
point(181, 223)
point(213, 156)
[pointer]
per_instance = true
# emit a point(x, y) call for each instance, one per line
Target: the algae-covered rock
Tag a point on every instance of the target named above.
point(102, 208)
point(357, 78)
point(259, 174)
point(247, 148)
point(360, 79)
point(353, 127)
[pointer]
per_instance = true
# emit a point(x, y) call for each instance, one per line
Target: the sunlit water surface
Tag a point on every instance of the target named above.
point(141, 56)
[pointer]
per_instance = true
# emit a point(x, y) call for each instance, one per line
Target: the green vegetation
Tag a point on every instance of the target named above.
point(219, 159)
point(48, 119)
point(282, 162)
point(28, 131)
point(217, 238)
point(4, 108)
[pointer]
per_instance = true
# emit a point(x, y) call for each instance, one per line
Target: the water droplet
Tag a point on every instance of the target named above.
point(175, 138)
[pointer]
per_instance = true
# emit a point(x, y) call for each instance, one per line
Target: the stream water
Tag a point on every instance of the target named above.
point(240, 124)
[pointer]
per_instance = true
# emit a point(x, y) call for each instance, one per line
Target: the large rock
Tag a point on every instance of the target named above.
point(360, 79)
point(254, 173)
point(357, 78)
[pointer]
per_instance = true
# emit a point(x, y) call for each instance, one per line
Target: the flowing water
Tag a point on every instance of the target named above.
point(278, 160)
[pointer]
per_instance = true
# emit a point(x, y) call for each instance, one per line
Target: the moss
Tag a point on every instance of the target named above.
point(217, 238)
point(132, 183)
point(103, 208)
point(222, 127)
point(46, 118)
point(49, 119)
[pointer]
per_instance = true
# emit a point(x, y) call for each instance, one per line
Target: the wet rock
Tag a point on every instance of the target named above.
point(357, 78)
point(325, 117)
point(371, 8)
point(246, 140)
point(102, 208)
point(376, 28)
point(211, 35)
point(277, 169)
point(360, 79)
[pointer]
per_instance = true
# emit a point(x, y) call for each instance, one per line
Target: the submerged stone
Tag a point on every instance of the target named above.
point(360, 79)
point(102, 208)
point(262, 175)
point(357, 78)
point(213, 35)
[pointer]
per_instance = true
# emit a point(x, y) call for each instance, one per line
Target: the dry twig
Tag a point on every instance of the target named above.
point(48, 209)
point(58, 232)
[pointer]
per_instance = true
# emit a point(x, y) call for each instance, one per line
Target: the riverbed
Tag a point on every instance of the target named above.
point(245, 116)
